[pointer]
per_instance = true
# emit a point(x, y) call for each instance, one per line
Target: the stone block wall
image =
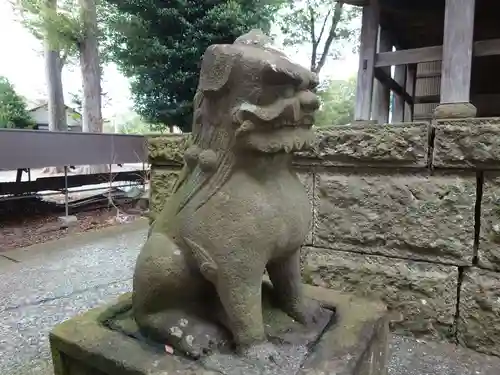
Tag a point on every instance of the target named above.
point(407, 213)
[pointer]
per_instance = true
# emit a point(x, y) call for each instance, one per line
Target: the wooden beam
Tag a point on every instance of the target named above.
point(429, 75)
point(482, 48)
point(427, 99)
point(366, 70)
point(382, 93)
point(398, 106)
point(457, 51)
point(486, 104)
point(393, 85)
point(409, 56)
point(486, 47)
point(411, 80)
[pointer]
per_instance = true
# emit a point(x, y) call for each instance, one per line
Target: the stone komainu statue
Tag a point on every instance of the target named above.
point(237, 210)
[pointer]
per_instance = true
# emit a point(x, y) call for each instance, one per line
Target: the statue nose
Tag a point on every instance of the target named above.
point(309, 100)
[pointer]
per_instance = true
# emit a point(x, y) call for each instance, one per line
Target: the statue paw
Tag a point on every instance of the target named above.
point(309, 313)
point(195, 346)
point(195, 338)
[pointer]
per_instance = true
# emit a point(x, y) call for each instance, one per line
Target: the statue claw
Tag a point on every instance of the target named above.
point(309, 313)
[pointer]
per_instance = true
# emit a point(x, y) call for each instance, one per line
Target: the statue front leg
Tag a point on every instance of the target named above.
point(287, 285)
point(240, 291)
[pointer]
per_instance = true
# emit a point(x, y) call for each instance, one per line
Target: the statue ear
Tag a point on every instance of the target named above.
point(216, 68)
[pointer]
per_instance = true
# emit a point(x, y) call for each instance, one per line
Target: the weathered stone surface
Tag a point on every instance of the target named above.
point(413, 216)
point(370, 145)
point(167, 149)
point(357, 344)
point(239, 210)
point(162, 183)
point(479, 317)
point(467, 143)
point(455, 110)
point(410, 356)
point(489, 238)
point(424, 293)
point(307, 178)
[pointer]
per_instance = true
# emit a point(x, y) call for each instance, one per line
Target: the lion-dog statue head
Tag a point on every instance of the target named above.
point(250, 97)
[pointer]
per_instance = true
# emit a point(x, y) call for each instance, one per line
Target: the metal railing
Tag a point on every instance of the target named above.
point(22, 149)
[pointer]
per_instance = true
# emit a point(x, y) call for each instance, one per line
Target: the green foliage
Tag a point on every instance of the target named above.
point(159, 45)
point(338, 99)
point(77, 100)
point(54, 21)
point(321, 24)
point(59, 22)
point(133, 124)
point(13, 112)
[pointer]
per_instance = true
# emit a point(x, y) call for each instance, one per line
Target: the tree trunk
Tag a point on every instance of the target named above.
point(55, 103)
point(91, 76)
point(91, 69)
point(56, 107)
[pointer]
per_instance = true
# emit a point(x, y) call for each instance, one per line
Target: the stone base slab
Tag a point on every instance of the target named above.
point(470, 143)
point(355, 344)
point(479, 315)
point(369, 145)
point(489, 236)
point(423, 294)
point(403, 215)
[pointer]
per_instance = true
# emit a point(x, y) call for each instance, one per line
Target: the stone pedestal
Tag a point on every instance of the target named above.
point(101, 342)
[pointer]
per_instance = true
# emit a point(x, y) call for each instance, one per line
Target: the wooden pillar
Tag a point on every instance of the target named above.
point(411, 79)
point(457, 59)
point(398, 105)
point(381, 93)
point(366, 70)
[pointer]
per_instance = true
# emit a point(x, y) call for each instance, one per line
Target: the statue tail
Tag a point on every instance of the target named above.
point(207, 265)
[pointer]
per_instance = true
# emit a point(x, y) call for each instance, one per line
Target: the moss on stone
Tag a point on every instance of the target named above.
point(466, 143)
point(368, 144)
point(162, 184)
point(167, 149)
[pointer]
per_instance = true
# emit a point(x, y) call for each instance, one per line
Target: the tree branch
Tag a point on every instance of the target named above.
point(324, 25)
point(337, 14)
point(312, 20)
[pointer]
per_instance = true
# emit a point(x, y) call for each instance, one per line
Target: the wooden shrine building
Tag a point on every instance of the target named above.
point(438, 58)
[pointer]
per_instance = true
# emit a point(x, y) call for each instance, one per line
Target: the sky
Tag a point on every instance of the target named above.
point(22, 63)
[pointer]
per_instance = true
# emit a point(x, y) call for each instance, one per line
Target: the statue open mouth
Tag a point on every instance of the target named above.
point(284, 127)
point(278, 137)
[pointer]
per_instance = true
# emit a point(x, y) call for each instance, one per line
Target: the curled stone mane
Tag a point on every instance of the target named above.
point(209, 158)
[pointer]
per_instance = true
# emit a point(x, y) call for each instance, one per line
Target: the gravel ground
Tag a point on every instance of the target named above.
point(53, 283)
point(48, 283)
point(415, 357)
